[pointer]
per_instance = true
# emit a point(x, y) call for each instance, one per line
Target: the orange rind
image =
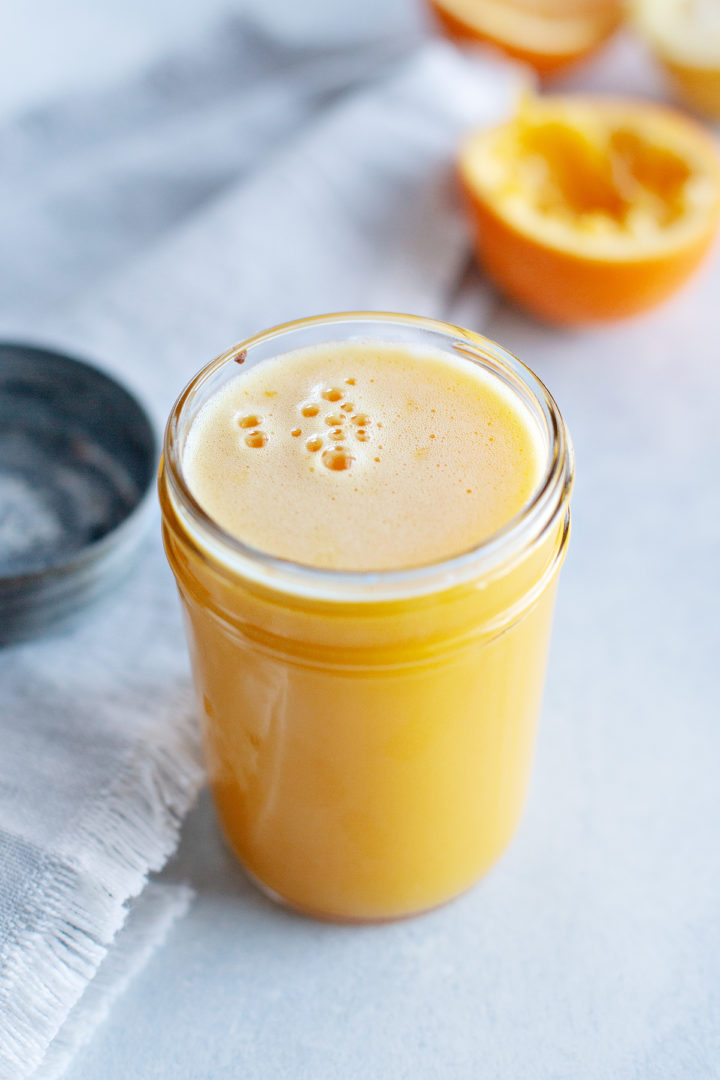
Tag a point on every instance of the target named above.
point(585, 210)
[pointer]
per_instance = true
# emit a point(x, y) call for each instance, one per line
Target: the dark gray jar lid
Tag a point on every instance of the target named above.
point(77, 461)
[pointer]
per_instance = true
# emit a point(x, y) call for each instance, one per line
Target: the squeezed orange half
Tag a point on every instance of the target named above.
point(549, 35)
point(590, 209)
point(685, 37)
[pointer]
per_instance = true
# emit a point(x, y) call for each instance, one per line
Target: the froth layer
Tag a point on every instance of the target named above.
point(363, 456)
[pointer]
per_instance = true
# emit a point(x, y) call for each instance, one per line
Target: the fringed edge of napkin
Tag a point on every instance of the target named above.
point(76, 909)
point(150, 919)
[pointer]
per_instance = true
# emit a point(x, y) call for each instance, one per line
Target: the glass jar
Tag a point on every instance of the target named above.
point(369, 735)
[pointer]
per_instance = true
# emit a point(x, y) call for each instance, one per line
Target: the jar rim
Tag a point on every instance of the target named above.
point(524, 530)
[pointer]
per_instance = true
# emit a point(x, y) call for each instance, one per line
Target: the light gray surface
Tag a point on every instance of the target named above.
point(593, 949)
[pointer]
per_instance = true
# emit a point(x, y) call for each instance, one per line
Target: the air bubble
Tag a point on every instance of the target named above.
point(332, 394)
point(347, 407)
point(334, 421)
point(249, 421)
point(256, 439)
point(350, 382)
point(361, 420)
point(314, 443)
point(309, 409)
point(337, 459)
point(336, 433)
point(361, 435)
point(295, 432)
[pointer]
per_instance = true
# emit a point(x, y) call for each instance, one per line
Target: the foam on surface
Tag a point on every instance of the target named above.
point(363, 455)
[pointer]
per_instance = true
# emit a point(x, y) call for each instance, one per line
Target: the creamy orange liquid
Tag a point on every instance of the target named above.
point(368, 756)
point(363, 456)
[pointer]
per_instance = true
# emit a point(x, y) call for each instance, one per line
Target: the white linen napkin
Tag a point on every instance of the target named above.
point(99, 754)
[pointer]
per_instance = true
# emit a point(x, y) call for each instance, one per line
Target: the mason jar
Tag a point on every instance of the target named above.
point(369, 735)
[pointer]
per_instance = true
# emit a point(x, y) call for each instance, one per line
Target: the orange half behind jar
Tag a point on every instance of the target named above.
point(684, 35)
point(549, 35)
point(584, 210)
